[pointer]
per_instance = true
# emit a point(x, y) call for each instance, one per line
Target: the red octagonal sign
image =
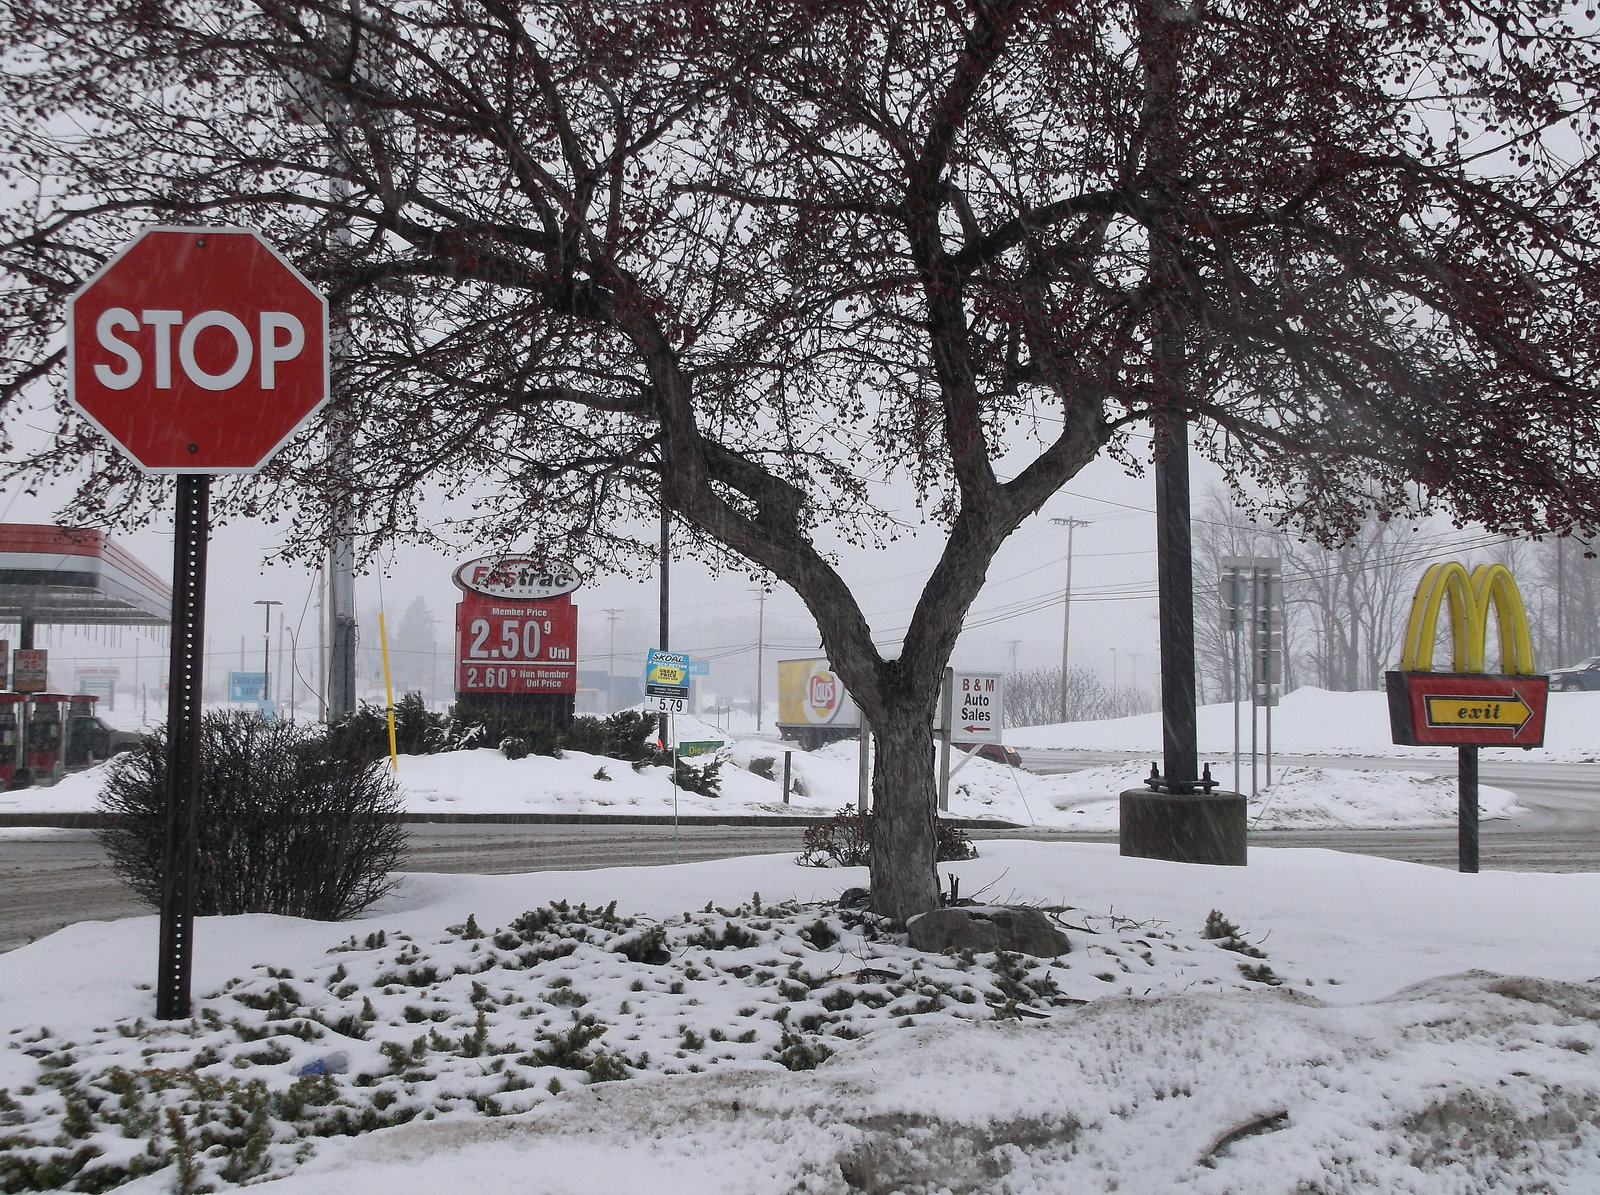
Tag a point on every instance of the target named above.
point(198, 350)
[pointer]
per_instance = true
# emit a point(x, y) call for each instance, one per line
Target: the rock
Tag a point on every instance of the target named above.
point(336, 1063)
point(985, 928)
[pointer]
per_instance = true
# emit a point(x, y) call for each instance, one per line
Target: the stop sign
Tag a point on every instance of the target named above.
point(198, 350)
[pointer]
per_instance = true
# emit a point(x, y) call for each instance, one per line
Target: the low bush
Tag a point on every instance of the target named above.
point(491, 726)
point(628, 735)
point(285, 823)
point(363, 734)
point(705, 779)
point(846, 841)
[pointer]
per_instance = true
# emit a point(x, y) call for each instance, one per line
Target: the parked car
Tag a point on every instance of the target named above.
point(995, 752)
point(90, 740)
point(1577, 676)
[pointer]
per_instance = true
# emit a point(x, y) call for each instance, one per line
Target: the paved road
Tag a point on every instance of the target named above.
point(1558, 796)
point(50, 878)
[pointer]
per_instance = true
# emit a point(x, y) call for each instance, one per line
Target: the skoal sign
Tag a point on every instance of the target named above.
point(516, 578)
point(1467, 706)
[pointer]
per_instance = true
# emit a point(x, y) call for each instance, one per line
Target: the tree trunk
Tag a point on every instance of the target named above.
point(905, 880)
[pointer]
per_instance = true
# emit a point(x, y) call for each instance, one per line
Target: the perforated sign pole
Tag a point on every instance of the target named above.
point(179, 857)
point(1467, 810)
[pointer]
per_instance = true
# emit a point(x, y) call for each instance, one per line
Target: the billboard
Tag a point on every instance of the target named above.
point(810, 693)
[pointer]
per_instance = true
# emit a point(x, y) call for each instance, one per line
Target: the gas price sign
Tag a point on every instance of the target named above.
point(516, 647)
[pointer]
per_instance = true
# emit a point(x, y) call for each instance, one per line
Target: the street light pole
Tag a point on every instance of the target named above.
point(266, 648)
point(1066, 605)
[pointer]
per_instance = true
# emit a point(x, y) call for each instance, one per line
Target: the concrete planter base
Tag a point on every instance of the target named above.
point(1184, 828)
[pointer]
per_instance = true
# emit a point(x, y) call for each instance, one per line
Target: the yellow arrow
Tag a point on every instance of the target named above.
point(1509, 713)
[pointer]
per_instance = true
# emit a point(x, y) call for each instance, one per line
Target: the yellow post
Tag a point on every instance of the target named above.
point(388, 691)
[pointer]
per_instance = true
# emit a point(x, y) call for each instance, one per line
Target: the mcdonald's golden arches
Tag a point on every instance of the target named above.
point(1467, 706)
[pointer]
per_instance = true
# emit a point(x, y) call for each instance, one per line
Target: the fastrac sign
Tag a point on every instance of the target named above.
point(516, 578)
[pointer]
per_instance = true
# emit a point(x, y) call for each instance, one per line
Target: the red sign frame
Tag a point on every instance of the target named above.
point(1473, 703)
point(492, 638)
point(198, 350)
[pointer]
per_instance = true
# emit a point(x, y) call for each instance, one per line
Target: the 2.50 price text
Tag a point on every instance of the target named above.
point(516, 641)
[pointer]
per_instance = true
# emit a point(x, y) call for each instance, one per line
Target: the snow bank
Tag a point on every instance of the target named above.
point(1434, 1033)
point(1317, 722)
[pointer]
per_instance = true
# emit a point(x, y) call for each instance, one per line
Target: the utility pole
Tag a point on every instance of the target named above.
point(1561, 655)
point(341, 621)
point(666, 554)
point(266, 649)
point(1013, 643)
point(322, 647)
point(322, 105)
point(611, 662)
point(1066, 605)
point(761, 638)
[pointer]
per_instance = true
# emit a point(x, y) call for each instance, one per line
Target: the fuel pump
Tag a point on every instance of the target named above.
point(44, 731)
point(10, 736)
point(78, 742)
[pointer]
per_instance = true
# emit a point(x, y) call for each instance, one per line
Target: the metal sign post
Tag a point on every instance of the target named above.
point(946, 716)
point(666, 686)
point(1467, 810)
point(1261, 577)
point(178, 853)
point(1267, 606)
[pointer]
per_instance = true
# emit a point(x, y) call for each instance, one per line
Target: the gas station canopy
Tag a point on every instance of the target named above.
point(77, 576)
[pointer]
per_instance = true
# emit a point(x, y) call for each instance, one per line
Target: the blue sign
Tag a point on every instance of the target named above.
point(699, 667)
point(247, 686)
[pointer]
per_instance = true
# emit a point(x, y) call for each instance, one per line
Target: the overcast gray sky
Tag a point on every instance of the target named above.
point(1113, 584)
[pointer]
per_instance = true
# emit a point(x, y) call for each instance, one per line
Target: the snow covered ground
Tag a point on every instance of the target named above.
point(1309, 722)
point(1371, 1026)
point(1317, 722)
point(1314, 1022)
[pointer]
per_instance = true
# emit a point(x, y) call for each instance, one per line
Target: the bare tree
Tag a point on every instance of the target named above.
point(1222, 530)
point(1345, 605)
point(776, 266)
point(1033, 697)
point(1357, 597)
point(1561, 590)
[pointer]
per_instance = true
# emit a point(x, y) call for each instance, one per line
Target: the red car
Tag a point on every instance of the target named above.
point(996, 752)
